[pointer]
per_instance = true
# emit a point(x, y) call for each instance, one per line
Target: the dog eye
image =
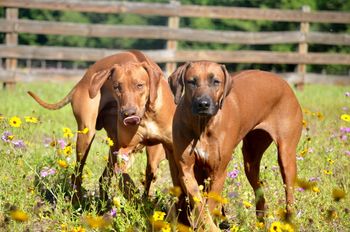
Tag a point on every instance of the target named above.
point(117, 87)
point(140, 86)
point(191, 82)
point(216, 82)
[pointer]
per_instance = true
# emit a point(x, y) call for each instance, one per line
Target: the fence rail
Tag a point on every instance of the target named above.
point(12, 26)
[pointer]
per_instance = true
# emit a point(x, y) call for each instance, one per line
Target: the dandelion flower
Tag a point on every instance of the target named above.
point(31, 119)
point(109, 142)
point(62, 163)
point(15, 121)
point(345, 117)
point(67, 132)
point(158, 216)
point(19, 215)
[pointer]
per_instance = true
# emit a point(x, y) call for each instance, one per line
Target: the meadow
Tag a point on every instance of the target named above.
point(37, 151)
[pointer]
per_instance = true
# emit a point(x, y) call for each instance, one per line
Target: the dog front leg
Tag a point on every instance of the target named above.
point(200, 217)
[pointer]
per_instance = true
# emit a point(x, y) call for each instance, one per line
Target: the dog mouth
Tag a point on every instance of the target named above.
point(132, 120)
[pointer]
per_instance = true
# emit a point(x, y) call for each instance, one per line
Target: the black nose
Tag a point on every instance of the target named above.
point(203, 104)
point(128, 112)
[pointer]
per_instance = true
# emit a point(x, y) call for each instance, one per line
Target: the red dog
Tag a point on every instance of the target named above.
point(215, 112)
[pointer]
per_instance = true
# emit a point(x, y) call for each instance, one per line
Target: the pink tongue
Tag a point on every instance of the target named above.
point(132, 120)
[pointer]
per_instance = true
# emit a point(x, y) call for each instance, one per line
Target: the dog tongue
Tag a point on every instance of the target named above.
point(131, 120)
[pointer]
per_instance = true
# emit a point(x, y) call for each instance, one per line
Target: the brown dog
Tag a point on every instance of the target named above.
point(99, 100)
point(215, 112)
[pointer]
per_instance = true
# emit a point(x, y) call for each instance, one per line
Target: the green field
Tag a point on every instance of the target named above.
point(35, 172)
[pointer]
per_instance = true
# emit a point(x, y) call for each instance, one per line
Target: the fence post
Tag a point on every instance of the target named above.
point(11, 40)
point(171, 45)
point(303, 49)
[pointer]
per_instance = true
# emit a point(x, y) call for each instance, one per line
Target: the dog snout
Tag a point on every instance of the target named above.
point(203, 106)
point(127, 112)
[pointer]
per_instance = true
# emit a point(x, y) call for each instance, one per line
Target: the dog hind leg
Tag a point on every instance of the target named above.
point(254, 145)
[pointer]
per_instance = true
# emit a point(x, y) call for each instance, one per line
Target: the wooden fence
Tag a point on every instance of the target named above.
point(12, 26)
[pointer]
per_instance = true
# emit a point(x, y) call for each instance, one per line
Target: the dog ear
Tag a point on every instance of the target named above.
point(154, 79)
point(227, 85)
point(97, 80)
point(177, 81)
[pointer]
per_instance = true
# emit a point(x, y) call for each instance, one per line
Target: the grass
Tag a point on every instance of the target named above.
point(31, 202)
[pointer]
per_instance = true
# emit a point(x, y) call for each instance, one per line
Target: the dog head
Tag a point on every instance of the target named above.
point(133, 85)
point(203, 85)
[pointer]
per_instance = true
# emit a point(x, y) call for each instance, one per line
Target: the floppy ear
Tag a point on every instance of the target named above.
point(177, 81)
point(227, 85)
point(154, 79)
point(97, 80)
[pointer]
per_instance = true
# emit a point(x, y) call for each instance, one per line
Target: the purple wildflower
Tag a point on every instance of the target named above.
point(345, 129)
point(46, 171)
point(113, 212)
point(347, 153)
point(233, 174)
point(6, 136)
point(343, 137)
point(62, 143)
point(314, 179)
point(345, 108)
point(347, 94)
point(18, 143)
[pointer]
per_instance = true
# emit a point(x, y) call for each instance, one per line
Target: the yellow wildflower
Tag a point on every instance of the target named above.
point(216, 197)
point(345, 117)
point(319, 115)
point(67, 132)
point(68, 150)
point(182, 228)
point(158, 216)
point(84, 131)
point(15, 121)
point(19, 215)
point(78, 229)
point(276, 227)
point(304, 123)
point(31, 119)
point(330, 161)
point(338, 194)
point(287, 227)
point(259, 225)
point(116, 202)
point(175, 191)
point(109, 141)
point(247, 204)
point(196, 199)
point(316, 189)
point(166, 227)
point(62, 163)
point(96, 221)
point(234, 228)
point(2, 117)
point(327, 172)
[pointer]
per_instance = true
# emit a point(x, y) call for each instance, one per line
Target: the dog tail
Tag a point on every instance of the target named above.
point(54, 106)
